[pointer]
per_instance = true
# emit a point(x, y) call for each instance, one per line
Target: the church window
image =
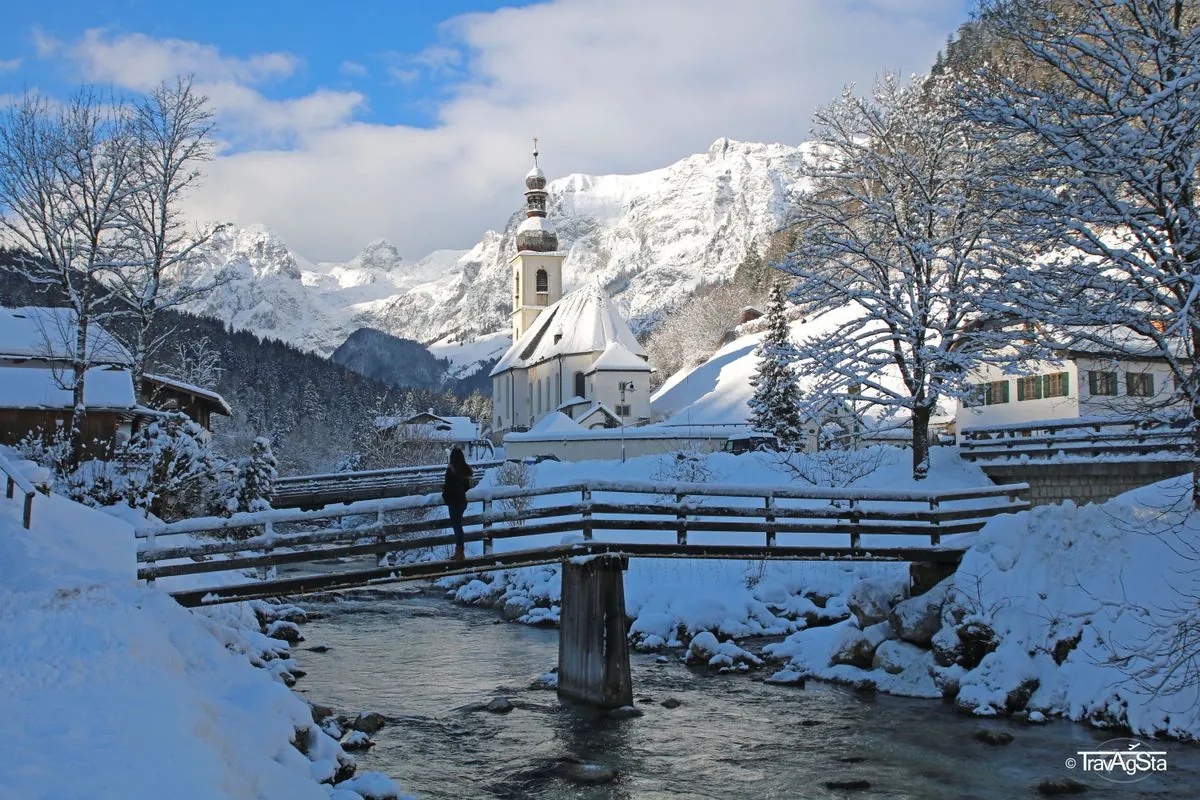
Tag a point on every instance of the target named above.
point(543, 281)
point(624, 411)
point(579, 387)
point(517, 284)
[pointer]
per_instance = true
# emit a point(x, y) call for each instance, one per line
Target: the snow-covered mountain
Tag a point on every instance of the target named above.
point(650, 239)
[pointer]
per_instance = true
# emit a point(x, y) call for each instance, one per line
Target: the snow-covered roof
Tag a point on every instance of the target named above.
point(598, 409)
point(555, 422)
point(39, 332)
point(617, 358)
point(585, 321)
point(104, 388)
point(208, 394)
point(454, 429)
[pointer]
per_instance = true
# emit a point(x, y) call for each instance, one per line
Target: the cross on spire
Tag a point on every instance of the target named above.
point(535, 151)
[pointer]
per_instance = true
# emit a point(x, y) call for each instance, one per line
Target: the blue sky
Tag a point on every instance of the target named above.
point(342, 123)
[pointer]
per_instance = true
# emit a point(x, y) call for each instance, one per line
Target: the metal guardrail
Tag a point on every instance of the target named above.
point(15, 480)
point(272, 538)
point(314, 491)
point(1094, 438)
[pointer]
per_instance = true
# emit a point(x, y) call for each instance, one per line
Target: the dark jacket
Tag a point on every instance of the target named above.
point(454, 490)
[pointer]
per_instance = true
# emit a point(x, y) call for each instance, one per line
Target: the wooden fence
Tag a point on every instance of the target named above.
point(1085, 438)
point(15, 480)
point(314, 491)
point(758, 516)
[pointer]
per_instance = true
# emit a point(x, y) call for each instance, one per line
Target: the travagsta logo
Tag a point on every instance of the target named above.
point(1121, 761)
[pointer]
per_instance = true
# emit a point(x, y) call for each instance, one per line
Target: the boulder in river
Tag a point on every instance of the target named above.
point(368, 722)
point(857, 783)
point(584, 772)
point(1053, 787)
point(917, 619)
point(671, 702)
point(357, 740)
point(853, 648)
point(992, 737)
point(625, 712)
point(287, 631)
point(499, 705)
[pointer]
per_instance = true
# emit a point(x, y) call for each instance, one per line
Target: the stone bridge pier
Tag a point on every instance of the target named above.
point(593, 654)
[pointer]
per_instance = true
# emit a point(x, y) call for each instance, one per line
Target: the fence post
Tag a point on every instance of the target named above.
point(770, 515)
point(150, 553)
point(586, 495)
point(264, 572)
point(935, 536)
point(27, 512)
point(680, 520)
point(11, 485)
point(380, 537)
point(855, 533)
point(487, 527)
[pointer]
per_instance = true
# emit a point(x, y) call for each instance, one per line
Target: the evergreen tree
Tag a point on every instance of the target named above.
point(775, 405)
point(251, 479)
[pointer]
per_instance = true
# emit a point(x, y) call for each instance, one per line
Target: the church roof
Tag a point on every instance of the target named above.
point(584, 321)
point(617, 357)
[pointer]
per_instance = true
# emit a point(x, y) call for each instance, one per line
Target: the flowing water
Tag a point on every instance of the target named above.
point(419, 660)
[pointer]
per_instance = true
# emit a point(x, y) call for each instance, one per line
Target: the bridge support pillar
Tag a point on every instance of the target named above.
point(593, 655)
point(924, 575)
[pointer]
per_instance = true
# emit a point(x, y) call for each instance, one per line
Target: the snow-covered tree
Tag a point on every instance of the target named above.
point(170, 466)
point(66, 174)
point(775, 404)
point(898, 237)
point(1109, 145)
point(250, 480)
point(171, 137)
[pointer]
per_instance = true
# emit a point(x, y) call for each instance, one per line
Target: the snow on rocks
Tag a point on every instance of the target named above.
point(871, 600)
point(371, 786)
point(705, 648)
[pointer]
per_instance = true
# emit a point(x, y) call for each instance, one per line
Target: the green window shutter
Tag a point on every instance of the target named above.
point(1149, 384)
point(1065, 379)
point(1004, 391)
point(1020, 389)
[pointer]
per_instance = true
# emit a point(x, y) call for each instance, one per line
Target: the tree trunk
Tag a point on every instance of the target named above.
point(78, 405)
point(920, 442)
point(1196, 454)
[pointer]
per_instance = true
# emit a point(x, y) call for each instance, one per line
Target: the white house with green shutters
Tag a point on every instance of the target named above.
point(1084, 382)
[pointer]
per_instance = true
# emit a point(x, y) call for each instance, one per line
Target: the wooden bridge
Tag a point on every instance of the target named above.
point(315, 491)
point(608, 522)
point(1097, 438)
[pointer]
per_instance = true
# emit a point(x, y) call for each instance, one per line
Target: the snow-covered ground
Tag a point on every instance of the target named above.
point(112, 690)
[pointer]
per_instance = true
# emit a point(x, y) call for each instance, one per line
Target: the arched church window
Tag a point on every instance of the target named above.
point(579, 387)
point(543, 281)
point(517, 283)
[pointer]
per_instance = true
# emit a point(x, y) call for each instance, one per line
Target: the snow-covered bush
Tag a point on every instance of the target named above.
point(170, 467)
point(687, 465)
point(833, 468)
point(515, 473)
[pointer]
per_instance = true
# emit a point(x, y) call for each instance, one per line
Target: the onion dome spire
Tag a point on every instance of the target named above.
point(536, 233)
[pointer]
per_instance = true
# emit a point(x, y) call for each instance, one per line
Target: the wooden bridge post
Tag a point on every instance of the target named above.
point(855, 516)
point(586, 516)
point(680, 520)
point(150, 559)
point(487, 527)
point(593, 654)
point(769, 513)
point(935, 536)
point(264, 572)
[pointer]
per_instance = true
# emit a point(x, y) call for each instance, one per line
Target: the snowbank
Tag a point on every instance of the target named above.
point(1085, 613)
point(112, 690)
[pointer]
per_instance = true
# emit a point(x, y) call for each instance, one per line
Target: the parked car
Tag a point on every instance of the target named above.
point(752, 442)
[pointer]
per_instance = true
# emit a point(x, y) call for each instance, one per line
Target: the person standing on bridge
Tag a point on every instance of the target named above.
point(454, 495)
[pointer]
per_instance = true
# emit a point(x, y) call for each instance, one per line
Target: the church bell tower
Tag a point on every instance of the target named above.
point(537, 266)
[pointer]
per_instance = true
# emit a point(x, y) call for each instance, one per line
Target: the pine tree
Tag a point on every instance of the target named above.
point(775, 405)
point(251, 479)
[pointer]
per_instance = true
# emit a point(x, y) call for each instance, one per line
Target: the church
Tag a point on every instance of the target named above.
point(573, 354)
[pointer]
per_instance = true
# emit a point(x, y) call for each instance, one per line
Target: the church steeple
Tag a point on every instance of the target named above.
point(537, 265)
point(536, 233)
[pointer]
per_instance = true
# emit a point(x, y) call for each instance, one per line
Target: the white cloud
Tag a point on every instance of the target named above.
point(11, 65)
point(353, 69)
point(620, 86)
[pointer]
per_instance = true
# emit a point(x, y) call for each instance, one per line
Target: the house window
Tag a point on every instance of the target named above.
point(543, 281)
point(579, 387)
point(1139, 384)
point(1038, 387)
point(623, 411)
point(1102, 383)
point(987, 394)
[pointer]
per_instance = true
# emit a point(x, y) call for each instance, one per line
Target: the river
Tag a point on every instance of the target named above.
point(419, 659)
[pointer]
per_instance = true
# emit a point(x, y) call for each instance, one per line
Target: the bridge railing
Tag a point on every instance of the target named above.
point(1091, 438)
point(314, 491)
point(16, 480)
point(750, 521)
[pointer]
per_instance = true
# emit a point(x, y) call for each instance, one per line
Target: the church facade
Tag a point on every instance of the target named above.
point(572, 354)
